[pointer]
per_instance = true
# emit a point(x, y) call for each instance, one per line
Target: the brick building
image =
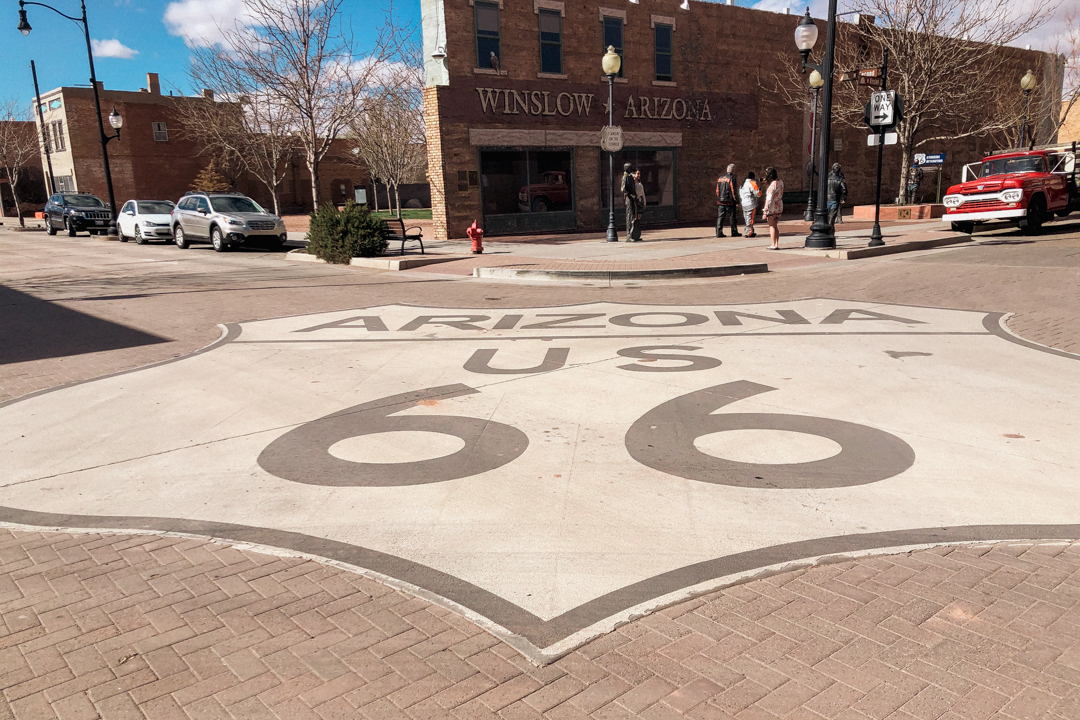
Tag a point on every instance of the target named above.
point(515, 144)
point(152, 159)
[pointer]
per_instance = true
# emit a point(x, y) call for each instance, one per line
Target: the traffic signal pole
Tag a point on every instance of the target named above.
point(875, 236)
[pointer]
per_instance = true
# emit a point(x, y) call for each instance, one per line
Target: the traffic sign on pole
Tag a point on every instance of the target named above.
point(883, 108)
point(890, 139)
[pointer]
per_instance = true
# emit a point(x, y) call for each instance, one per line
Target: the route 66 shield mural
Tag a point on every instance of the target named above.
point(550, 472)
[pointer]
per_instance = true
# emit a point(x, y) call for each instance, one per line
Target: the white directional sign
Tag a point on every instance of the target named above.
point(557, 470)
point(890, 139)
point(883, 108)
point(611, 138)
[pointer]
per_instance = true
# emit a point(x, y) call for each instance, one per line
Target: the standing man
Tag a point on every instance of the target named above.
point(639, 193)
point(726, 194)
point(629, 192)
point(837, 192)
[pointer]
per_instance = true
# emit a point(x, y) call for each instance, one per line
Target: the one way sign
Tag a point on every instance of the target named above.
point(883, 108)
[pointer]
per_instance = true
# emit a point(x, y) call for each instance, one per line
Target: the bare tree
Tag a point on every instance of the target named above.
point(252, 134)
point(19, 146)
point(390, 134)
point(302, 57)
point(945, 59)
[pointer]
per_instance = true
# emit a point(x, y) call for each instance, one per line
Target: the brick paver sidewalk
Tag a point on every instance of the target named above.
point(135, 626)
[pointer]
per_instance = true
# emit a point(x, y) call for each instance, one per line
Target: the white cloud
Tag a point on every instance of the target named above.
point(202, 22)
point(112, 49)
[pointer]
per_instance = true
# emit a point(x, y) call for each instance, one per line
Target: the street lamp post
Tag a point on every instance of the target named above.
point(1027, 84)
point(611, 64)
point(806, 35)
point(816, 81)
point(24, 28)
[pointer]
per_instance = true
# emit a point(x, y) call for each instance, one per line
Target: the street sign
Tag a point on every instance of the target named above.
point(883, 108)
point(890, 139)
point(868, 76)
point(930, 158)
point(869, 81)
point(611, 138)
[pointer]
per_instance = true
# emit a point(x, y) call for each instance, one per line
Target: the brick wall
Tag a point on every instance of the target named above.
point(727, 53)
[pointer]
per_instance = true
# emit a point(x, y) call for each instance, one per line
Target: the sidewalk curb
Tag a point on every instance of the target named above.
point(510, 273)
point(903, 247)
point(379, 263)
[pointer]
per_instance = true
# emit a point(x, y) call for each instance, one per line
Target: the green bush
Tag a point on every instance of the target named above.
point(336, 236)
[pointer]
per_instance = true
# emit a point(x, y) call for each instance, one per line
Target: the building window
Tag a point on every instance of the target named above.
point(613, 29)
point(487, 33)
point(161, 132)
point(657, 166)
point(550, 42)
point(58, 142)
point(665, 70)
point(526, 181)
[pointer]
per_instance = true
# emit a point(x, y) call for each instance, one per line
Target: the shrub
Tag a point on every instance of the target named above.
point(336, 236)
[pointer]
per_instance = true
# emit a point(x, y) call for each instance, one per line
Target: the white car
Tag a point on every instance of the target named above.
point(145, 220)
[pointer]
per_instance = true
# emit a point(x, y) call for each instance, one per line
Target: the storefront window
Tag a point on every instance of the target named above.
point(526, 181)
point(657, 176)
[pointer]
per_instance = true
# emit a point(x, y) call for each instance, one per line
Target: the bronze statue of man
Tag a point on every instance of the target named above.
point(629, 193)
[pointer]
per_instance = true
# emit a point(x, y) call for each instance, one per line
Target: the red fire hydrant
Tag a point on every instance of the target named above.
point(477, 236)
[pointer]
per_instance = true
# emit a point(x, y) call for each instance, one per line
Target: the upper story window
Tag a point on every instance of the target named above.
point(487, 33)
point(59, 144)
point(665, 67)
point(161, 132)
point(550, 41)
point(613, 37)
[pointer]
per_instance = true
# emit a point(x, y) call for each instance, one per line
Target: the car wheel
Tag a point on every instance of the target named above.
point(120, 233)
point(218, 240)
point(69, 228)
point(179, 238)
point(966, 228)
point(1031, 224)
point(49, 229)
point(539, 205)
point(139, 236)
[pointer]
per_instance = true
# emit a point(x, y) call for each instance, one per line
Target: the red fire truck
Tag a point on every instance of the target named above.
point(1024, 187)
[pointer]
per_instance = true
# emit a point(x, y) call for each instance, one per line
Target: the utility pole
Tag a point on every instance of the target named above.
point(50, 185)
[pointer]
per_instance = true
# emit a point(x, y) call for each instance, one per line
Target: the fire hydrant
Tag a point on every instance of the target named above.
point(477, 236)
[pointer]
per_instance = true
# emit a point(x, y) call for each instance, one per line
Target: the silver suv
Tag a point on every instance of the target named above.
point(226, 219)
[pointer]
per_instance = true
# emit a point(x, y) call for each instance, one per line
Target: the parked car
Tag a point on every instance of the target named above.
point(226, 219)
point(1026, 187)
point(77, 212)
point(145, 220)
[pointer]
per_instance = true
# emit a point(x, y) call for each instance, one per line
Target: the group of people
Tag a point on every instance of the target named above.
point(729, 196)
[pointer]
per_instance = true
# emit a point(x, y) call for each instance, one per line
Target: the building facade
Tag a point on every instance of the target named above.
point(515, 100)
point(154, 159)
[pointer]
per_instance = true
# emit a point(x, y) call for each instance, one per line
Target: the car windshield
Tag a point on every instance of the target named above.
point(155, 208)
point(83, 201)
point(1002, 166)
point(235, 205)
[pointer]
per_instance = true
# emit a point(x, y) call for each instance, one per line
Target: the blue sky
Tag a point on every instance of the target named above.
point(59, 48)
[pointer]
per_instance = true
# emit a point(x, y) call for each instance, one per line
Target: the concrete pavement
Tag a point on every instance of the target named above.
point(972, 380)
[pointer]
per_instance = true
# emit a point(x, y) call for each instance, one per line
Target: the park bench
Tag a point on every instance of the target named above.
point(399, 233)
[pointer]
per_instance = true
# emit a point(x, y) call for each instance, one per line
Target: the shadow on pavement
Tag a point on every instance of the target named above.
point(33, 329)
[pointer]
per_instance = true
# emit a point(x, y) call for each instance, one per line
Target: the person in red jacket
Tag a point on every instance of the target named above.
point(727, 194)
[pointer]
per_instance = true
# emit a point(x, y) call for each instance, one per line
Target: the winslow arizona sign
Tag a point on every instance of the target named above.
point(551, 472)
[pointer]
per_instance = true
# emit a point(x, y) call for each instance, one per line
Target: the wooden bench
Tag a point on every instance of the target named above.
point(403, 235)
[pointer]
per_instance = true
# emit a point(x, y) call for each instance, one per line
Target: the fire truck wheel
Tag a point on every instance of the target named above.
point(966, 228)
point(1031, 223)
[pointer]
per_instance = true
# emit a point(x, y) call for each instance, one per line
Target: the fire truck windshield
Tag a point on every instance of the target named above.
point(1002, 166)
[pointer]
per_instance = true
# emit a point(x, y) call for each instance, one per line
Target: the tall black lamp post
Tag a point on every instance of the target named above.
point(806, 35)
point(611, 64)
point(24, 28)
point(816, 81)
point(1027, 84)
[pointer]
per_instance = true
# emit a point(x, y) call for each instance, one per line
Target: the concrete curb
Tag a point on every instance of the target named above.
point(903, 247)
point(380, 263)
point(511, 273)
